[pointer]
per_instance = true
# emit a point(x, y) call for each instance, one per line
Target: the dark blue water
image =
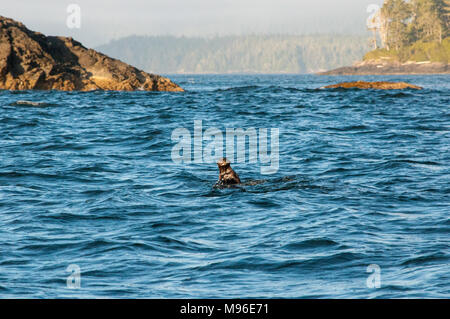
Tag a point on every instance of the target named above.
point(364, 178)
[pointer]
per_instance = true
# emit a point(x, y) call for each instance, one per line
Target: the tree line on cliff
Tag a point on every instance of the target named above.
point(238, 54)
point(402, 23)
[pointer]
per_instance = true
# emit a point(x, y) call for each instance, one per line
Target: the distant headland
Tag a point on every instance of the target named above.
point(383, 67)
point(30, 60)
point(414, 37)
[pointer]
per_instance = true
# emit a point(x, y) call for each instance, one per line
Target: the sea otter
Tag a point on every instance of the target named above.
point(226, 174)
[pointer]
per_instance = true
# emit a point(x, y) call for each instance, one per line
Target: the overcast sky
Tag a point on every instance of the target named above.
point(103, 20)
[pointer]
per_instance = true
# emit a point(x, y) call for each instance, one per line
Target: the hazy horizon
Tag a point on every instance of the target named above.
point(102, 20)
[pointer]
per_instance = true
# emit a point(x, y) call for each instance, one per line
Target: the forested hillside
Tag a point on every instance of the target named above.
point(414, 30)
point(238, 54)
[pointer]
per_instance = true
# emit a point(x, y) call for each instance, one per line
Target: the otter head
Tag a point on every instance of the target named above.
point(223, 165)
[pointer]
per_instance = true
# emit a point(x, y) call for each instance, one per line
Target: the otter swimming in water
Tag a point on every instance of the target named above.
point(226, 174)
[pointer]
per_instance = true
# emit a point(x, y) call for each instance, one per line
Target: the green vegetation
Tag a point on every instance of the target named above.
point(419, 51)
point(415, 30)
point(238, 54)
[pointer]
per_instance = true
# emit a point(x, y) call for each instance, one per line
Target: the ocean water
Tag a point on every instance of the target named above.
point(87, 180)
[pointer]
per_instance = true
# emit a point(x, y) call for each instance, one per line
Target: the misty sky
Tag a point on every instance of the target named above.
point(103, 20)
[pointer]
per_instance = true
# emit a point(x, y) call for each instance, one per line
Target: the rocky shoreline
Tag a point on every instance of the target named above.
point(32, 61)
point(387, 67)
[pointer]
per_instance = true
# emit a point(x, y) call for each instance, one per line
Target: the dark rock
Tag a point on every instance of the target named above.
point(30, 60)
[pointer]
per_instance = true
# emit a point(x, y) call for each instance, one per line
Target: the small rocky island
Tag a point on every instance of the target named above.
point(32, 61)
point(409, 37)
point(373, 85)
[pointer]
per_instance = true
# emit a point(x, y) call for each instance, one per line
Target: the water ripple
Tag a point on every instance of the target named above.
point(86, 178)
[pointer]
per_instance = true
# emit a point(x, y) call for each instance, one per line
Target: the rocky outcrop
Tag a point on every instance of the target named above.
point(389, 67)
point(373, 85)
point(30, 60)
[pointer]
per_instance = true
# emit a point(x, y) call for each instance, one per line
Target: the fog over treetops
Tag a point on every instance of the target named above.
point(105, 20)
point(238, 54)
point(203, 36)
